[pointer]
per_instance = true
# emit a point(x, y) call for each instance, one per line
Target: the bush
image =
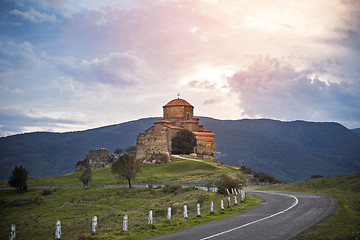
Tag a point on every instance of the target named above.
point(246, 170)
point(317, 176)
point(46, 192)
point(172, 188)
point(226, 182)
point(262, 177)
point(202, 198)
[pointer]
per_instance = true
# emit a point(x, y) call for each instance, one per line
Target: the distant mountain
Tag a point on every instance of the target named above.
point(356, 130)
point(289, 151)
point(48, 154)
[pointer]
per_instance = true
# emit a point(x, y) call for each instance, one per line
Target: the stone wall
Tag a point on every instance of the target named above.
point(154, 145)
point(98, 158)
point(206, 148)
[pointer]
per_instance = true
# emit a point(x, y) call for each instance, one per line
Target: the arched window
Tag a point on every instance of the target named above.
point(187, 116)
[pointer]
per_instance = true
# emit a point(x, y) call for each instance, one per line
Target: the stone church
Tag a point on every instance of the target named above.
point(154, 146)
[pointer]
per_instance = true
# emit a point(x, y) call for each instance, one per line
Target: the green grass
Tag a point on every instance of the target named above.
point(345, 222)
point(35, 214)
point(172, 172)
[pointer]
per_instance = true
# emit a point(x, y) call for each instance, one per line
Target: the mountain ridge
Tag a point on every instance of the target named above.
point(289, 151)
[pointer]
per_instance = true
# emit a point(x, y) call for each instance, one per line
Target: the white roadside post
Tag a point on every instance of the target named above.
point(125, 223)
point(228, 202)
point(242, 195)
point(94, 225)
point(168, 213)
point(222, 204)
point(150, 217)
point(236, 193)
point(198, 213)
point(185, 212)
point(232, 191)
point(227, 190)
point(12, 234)
point(57, 230)
point(211, 207)
point(235, 200)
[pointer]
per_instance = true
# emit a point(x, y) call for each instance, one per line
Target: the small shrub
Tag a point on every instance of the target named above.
point(160, 213)
point(202, 198)
point(226, 182)
point(172, 188)
point(317, 176)
point(246, 170)
point(263, 177)
point(46, 192)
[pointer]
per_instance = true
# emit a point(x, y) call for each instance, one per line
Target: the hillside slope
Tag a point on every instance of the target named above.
point(356, 130)
point(48, 154)
point(289, 151)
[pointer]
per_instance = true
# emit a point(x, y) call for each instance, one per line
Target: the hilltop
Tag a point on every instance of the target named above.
point(289, 151)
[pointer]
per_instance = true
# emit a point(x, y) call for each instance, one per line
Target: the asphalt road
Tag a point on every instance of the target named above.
point(281, 215)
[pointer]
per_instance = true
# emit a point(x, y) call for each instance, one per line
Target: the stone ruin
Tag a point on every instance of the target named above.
point(96, 159)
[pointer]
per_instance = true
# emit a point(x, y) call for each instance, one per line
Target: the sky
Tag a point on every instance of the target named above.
point(69, 65)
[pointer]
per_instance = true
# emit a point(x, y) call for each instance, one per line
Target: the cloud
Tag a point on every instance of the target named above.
point(14, 121)
point(33, 15)
point(125, 68)
point(86, 59)
point(17, 91)
point(272, 88)
point(16, 56)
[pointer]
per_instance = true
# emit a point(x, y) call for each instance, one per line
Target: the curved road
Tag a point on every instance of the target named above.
point(281, 215)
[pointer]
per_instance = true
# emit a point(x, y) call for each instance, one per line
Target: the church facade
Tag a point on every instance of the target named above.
point(154, 145)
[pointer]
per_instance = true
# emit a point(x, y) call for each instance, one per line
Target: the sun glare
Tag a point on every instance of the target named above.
point(215, 77)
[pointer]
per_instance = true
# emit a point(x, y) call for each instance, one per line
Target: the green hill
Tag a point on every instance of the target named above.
point(173, 172)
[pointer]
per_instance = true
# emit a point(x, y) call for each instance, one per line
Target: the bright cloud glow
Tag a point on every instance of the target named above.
point(71, 65)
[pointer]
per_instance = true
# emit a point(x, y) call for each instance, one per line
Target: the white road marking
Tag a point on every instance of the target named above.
point(256, 221)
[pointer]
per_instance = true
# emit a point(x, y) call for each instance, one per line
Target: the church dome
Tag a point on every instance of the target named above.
point(178, 102)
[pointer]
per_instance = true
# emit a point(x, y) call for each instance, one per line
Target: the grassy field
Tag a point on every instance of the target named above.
point(172, 172)
point(345, 223)
point(34, 214)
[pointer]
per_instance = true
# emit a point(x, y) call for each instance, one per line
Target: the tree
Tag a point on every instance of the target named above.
point(18, 179)
point(118, 151)
point(86, 176)
point(131, 150)
point(126, 167)
point(183, 142)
